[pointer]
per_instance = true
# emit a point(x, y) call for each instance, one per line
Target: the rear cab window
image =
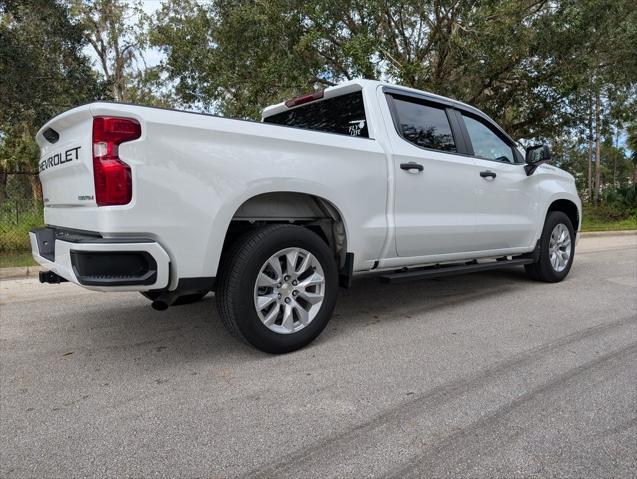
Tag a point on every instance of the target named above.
point(344, 114)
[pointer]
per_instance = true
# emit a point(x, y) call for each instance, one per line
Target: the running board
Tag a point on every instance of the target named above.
point(449, 270)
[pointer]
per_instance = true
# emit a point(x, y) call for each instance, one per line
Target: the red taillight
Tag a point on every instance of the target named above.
point(299, 100)
point(113, 181)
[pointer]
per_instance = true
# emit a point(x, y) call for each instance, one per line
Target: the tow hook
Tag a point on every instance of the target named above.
point(51, 277)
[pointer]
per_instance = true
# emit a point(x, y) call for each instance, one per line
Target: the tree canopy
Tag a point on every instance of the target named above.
point(524, 62)
point(559, 70)
point(43, 71)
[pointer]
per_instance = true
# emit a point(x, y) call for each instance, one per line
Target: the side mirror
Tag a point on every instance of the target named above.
point(535, 156)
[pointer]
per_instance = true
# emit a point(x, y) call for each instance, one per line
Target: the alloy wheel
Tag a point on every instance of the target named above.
point(289, 290)
point(560, 247)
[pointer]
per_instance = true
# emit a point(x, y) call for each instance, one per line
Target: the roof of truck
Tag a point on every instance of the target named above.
point(357, 85)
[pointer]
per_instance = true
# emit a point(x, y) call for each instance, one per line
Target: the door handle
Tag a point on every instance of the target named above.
point(487, 174)
point(412, 165)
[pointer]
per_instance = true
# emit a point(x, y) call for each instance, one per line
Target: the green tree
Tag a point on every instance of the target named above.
point(524, 62)
point(42, 72)
point(115, 39)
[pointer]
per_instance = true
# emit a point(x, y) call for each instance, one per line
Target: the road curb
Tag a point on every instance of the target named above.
point(593, 234)
point(20, 272)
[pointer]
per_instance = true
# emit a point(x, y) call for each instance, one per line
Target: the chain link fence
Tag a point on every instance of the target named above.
point(20, 210)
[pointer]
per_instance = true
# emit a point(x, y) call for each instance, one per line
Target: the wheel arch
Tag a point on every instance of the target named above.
point(313, 211)
point(567, 207)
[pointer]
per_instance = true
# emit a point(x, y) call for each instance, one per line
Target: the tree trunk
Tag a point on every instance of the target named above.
point(36, 186)
point(3, 186)
point(598, 156)
point(615, 156)
point(589, 183)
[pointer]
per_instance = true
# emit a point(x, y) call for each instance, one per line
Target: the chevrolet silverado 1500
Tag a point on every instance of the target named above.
point(273, 216)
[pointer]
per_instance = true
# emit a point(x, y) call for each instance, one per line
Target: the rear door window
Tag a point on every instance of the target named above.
point(343, 114)
point(423, 125)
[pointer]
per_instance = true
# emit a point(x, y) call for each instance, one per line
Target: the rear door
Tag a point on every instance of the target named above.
point(434, 204)
point(506, 198)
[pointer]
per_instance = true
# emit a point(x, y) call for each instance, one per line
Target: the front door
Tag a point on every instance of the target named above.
point(506, 198)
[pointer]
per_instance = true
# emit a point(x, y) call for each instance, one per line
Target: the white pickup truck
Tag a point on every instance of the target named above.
point(273, 216)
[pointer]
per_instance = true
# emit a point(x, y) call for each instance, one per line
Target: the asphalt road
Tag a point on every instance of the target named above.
point(485, 375)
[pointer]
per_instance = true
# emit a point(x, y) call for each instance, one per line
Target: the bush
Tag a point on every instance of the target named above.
point(17, 217)
point(608, 212)
point(622, 199)
point(617, 212)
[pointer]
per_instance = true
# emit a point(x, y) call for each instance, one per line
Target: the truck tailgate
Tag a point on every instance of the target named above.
point(66, 159)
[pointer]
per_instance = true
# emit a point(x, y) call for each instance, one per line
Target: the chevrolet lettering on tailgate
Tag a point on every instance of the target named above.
point(60, 158)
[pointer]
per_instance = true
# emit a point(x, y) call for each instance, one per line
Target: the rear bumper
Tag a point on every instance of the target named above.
point(102, 264)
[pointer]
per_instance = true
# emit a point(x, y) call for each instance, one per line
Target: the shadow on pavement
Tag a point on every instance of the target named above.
point(195, 333)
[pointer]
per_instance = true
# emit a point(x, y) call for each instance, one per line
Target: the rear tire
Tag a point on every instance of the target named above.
point(279, 308)
point(557, 249)
point(185, 299)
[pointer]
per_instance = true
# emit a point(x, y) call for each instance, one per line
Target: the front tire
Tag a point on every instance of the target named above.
point(277, 288)
point(557, 249)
